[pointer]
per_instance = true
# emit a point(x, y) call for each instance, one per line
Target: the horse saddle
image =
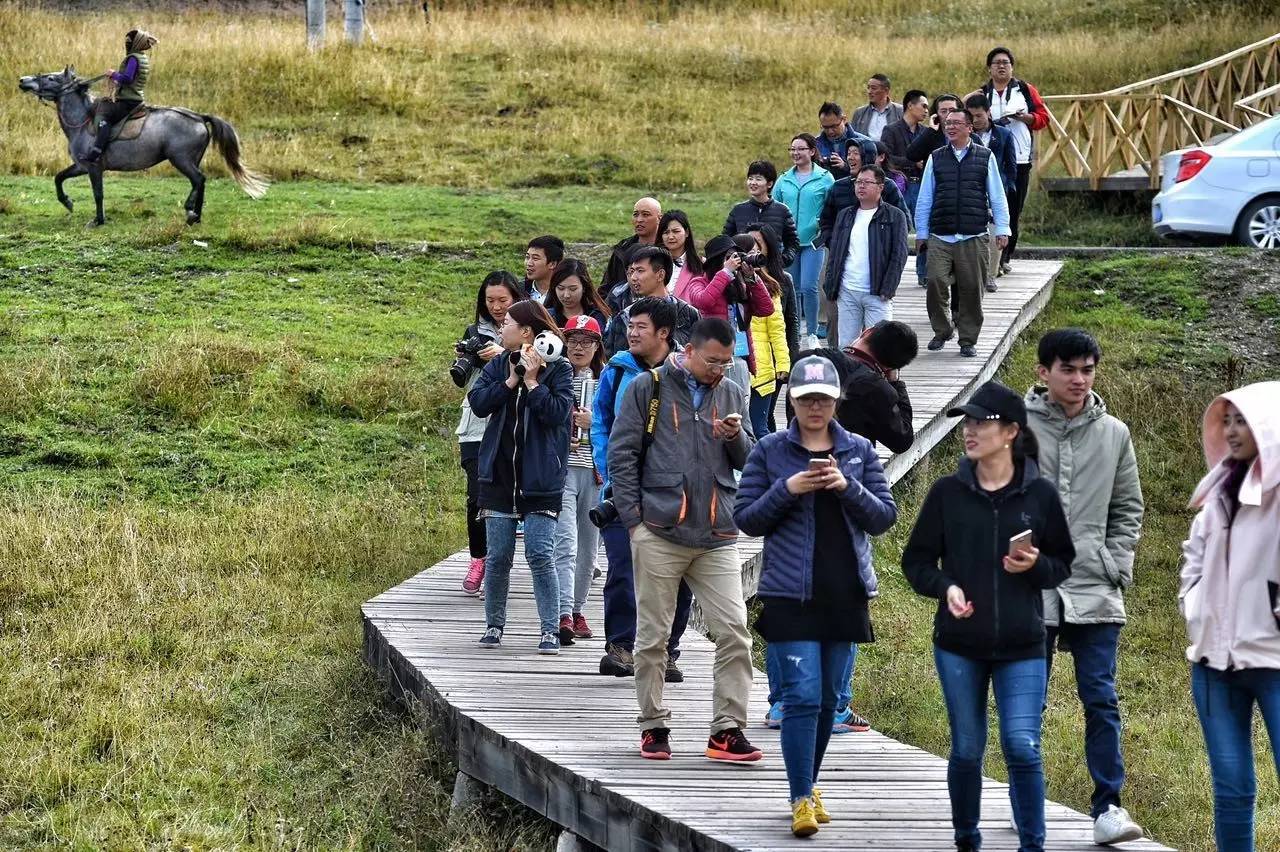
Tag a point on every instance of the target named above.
point(131, 126)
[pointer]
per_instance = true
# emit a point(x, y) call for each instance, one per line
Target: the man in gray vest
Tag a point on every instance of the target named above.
point(960, 188)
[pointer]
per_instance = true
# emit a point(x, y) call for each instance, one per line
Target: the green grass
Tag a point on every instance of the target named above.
point(1158, 377)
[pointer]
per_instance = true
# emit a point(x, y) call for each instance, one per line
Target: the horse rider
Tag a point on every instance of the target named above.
point(125, 88)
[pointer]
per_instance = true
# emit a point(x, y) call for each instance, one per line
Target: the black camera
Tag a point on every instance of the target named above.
point(755, 259)
point(468, 350)
point(1002, 121)
point(604, 514)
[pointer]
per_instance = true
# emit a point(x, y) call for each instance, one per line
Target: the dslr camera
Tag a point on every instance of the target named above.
point(605, 513)
point(468, 351)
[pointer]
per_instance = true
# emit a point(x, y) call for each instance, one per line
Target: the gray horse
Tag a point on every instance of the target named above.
point(177, 135)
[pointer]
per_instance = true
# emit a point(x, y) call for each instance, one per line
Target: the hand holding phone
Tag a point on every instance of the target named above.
point(1022, 554)
point(727, 427)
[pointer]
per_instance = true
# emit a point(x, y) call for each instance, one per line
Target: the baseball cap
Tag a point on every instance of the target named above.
point(583, 323)
point(993, 401)
point(814, 374)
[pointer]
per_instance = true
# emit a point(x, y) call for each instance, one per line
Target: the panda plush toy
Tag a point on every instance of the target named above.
point(549, 345)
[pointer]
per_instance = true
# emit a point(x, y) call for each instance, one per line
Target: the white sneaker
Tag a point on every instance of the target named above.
point(810, 341)
point(1115, 826)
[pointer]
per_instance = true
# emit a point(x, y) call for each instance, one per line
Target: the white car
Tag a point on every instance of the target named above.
point(1227, 189)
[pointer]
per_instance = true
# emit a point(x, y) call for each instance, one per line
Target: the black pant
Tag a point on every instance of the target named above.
point(477, 545)
point(1016, 203)
point(111, 113)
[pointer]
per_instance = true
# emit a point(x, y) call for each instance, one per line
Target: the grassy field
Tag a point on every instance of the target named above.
point(212, 454)
point(659, 95)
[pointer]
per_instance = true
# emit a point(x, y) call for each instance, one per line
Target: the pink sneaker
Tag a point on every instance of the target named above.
point(475, 578)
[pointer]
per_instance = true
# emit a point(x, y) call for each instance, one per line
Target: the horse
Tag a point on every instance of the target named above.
point(169, 133)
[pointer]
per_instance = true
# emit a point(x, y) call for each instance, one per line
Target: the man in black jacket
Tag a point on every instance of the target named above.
point(644, 221)
point(898, 137)
point(841, 195)
point(760, 207)
point(648, 270)
point(867, 252)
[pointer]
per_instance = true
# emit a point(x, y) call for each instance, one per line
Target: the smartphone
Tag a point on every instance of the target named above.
point(820, 464)
point(735, 417)
point(1020, 543)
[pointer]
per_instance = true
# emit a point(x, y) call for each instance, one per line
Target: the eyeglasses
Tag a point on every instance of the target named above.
point(579, 341)
point(714, 365)
point(815, 401)
point(867, 183)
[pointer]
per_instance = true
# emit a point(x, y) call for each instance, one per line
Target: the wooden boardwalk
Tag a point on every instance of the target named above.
point(560, 738)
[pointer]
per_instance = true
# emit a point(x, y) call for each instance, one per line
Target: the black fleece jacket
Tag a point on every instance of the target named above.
point(961, 538)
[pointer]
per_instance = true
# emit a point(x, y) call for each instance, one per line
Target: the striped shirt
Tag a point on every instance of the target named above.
point(580, 450)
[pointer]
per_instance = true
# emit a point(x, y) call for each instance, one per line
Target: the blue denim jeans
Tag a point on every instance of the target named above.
point(1019, 691)
point(843, 696)
point(539, 543)
point(859, 311)
point(909, 197)
point(1093, 650)
point(1224, 703)
point(809, 676)
point(804, 271)
point(577, 539)
point(620, 595)
point(760, 408)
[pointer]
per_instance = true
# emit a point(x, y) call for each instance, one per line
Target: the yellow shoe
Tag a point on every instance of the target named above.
point(819, 811)
point(803, 821)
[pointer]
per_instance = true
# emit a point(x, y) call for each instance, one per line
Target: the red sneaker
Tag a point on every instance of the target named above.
point(732, 745)
point(566, 630)
point(654, 744)
point(580, 628)
point(474, 579)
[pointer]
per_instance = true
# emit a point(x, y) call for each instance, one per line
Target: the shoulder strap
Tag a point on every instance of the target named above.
point(650, 420)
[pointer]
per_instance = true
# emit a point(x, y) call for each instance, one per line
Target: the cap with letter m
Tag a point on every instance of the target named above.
point(814, 374)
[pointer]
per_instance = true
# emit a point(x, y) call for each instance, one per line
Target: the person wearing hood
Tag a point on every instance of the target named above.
point(1230, 598)
point(760, 208)
point(989, 539)
point(842, 196)
point(1089, 456)
point(817, 494)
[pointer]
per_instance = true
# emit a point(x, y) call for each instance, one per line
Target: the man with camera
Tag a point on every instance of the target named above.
point(649, 332)
point(675, 446)
point(835, 139)
point(648, 271)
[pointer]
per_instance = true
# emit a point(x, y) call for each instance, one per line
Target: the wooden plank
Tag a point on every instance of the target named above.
point(554, 734)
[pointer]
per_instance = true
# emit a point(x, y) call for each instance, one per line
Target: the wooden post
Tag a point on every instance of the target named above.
point(354, 20)
point(315, 24)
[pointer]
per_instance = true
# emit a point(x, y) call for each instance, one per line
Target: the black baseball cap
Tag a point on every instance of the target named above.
point(994, 401)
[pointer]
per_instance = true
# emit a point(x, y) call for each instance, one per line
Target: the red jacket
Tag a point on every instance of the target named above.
point(708, 297)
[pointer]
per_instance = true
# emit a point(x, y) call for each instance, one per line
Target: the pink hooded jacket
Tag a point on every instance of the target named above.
point(1230, 591)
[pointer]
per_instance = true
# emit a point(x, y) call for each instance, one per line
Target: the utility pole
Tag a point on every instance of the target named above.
point(354, 20)
point(315, 24)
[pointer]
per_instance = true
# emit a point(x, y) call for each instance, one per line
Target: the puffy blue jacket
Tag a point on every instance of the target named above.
point(614, 378)
point(543, 436)
point(766, 508)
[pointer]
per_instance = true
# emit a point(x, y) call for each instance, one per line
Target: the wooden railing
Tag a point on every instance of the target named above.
point(1094, 136)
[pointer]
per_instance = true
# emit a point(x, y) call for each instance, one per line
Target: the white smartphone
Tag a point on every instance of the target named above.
point(1020, 543)
point(820, 463)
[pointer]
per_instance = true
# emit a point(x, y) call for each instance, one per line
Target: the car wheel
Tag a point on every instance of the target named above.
point(1259, 225)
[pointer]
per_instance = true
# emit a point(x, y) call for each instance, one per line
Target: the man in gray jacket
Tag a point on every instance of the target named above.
point(675, 445)
point(1089, 455)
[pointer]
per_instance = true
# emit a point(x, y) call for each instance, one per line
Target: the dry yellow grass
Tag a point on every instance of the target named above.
point(491, 96)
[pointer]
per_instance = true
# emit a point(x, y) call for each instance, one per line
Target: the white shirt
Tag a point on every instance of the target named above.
point(536, 295)
point(857, 265)
point(875, 124)
point(1007, 103)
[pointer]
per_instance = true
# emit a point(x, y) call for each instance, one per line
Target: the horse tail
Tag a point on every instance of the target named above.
point(228, 143)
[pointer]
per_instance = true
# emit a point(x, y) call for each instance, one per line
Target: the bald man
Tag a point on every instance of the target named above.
point(644, 223)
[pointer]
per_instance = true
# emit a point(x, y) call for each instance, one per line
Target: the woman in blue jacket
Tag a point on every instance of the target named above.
point(803, 188)
point(816, 493)
point(524, 457)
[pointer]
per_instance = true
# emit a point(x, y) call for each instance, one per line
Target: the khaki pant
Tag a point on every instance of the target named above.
point(715, 576)
point(962, 265)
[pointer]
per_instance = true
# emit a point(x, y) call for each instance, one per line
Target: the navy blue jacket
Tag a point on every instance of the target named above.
point(765, 507)
point(542, 433)
point(1005, 150)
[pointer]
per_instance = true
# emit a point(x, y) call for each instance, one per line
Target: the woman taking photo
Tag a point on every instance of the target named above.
point(572, 294)
point(676, 236)
point(498, 292)
point(576, 537)
point(1230, 598)
point(803, 188)
point(990, 537)
point(816, 493)
point(523, 460)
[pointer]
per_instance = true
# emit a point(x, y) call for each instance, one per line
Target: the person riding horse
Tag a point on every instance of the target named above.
point(125, 90)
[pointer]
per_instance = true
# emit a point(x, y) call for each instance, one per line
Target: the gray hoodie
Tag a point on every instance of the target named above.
point(1091, 461)
point(687, 490)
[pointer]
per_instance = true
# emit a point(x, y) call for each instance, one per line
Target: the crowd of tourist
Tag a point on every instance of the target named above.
point(637, 411)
